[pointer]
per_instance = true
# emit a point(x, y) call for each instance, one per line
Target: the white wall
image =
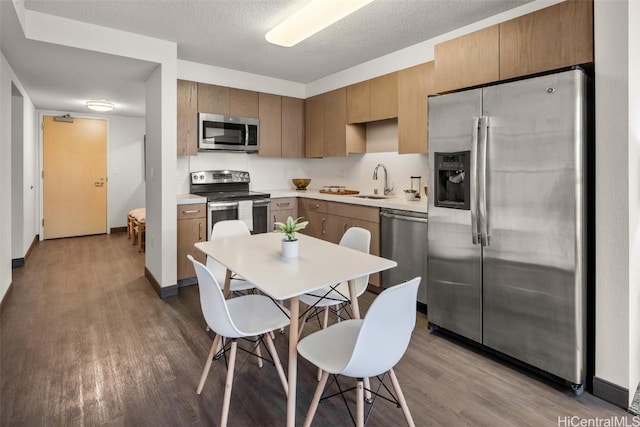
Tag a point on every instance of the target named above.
point(17, 177)
point(634, 197)
point(612, 192)
point(6, 75)
point(126, 173)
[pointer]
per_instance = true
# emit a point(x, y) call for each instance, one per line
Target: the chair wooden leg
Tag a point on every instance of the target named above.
point(316, 399)
point(325, 322)
point(259, 353)
point(276, 361)
point(207, 365)
point(229, 384)
point(401, 400)
point(302, 323)
point(360, 403)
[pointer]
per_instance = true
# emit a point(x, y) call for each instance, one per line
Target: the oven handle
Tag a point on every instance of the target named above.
point(222, 206)
point(261, 202)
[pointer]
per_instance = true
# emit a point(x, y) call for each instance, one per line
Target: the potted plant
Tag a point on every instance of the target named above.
point(289, 228)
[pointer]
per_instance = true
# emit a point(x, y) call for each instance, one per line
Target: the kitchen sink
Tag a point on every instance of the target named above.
point(374, 196)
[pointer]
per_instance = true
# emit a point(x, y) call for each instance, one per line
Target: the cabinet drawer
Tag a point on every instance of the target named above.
point(198, 210)
point(364, 213)
point(313, 205)
point(283, 204)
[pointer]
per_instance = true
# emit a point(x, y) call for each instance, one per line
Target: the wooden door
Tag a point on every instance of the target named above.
point(292, 127)
point(414, 84)
point(314, 126)
point(384, 97)
point(74, 177)
point(187, 118)
point(270, 114)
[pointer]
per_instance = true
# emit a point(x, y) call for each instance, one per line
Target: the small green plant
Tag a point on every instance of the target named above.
point(290, 227)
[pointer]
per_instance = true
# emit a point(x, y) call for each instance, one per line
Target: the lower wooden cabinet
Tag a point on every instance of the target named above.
point(329, 220)
point(192, 228)
point(281, 209)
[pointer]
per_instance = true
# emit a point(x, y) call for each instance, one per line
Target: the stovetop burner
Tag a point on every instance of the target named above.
point(224, 185)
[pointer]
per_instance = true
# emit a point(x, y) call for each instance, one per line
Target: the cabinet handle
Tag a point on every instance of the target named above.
point(274, 220)
point(316, 206)
point(283, 204)
point(344, 227)
point(191, 212)
point(324, 229)
point(200, 231)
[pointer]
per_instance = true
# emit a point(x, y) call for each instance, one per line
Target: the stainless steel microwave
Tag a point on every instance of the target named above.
point(231, 133)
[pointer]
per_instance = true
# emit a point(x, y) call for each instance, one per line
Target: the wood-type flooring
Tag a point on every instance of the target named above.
point(86, 341)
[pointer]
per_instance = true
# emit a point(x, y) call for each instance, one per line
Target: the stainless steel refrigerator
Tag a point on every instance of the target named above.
point(506, 242)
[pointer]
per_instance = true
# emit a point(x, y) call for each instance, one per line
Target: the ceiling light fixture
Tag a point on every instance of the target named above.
point(101, 105)
point(315, 16)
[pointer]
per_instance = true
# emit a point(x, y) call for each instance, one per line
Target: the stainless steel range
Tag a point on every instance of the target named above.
point(228, 197)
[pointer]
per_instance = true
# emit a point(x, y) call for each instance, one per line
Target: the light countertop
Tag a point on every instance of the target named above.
point(189, 199)
point(397, 202)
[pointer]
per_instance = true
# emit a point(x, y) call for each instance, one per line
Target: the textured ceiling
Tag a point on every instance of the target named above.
point(230, 34)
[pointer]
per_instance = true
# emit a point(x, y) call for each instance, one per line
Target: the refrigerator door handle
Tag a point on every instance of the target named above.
point(474, 181)
point(482, 180)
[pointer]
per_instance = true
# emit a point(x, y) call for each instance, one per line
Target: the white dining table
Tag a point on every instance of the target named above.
point(319, 263)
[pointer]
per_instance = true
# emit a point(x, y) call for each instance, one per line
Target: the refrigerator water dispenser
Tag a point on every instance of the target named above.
point(452, 180)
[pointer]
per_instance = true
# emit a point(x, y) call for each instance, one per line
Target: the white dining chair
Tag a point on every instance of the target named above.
point(223, 230)
point(363, 348)
point(334, 298)
point(241, 317)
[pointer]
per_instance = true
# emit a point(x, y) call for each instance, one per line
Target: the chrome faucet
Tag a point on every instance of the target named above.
point(387, 190)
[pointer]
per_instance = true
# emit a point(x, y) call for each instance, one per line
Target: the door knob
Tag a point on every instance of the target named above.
point(99, 183)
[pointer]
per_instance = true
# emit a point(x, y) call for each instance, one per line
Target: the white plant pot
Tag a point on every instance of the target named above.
point(290, 248)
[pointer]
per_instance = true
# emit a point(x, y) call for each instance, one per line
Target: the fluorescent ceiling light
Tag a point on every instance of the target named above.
point(315, 16)
point(101, 105)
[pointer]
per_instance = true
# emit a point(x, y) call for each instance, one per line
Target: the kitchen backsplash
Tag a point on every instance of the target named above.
point(354, 171)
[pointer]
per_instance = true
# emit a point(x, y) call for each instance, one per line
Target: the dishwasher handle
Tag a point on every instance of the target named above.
point(404, 217)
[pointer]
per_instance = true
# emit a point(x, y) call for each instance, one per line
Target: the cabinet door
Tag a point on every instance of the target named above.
point(190, 231)
point(358, 102)
point(283, 208)
point(213, 99)
point(383, 103)
point(317, 226)
point(187, 124)
point(414, 85)
point(469, 60)
point(554, 37)
point(336, 227)
point(335, 120)
point(314, 126)
point(270, 125)
point(243, 103)
point(293, 117)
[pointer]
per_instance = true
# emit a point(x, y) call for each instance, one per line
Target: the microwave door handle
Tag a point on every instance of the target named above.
point(474, 181)
point(246, 135)
point(482, 181)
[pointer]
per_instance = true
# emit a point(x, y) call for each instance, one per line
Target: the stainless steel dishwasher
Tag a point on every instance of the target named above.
point(404, 240)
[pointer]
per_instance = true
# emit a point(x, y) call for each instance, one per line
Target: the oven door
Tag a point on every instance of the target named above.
point(221, 211)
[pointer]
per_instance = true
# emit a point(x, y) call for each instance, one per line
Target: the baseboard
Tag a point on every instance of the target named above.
point(163, 292)
point(610, 392)
point(187, 282)
point(118, 229)
point(20, 262)
point(5, 298)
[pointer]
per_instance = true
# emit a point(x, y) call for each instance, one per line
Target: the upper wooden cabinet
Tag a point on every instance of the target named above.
point(384, 97)
point(228, 101)
point(469, 60)
point(414, 85)
point(551, 38)
point(243, 103)
point(292, 127)
point(270, 115)
point(327, 133)
point(371, 100)
point(187, 126)
point(281, 126)
point(554, 37)
point(213, 99)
